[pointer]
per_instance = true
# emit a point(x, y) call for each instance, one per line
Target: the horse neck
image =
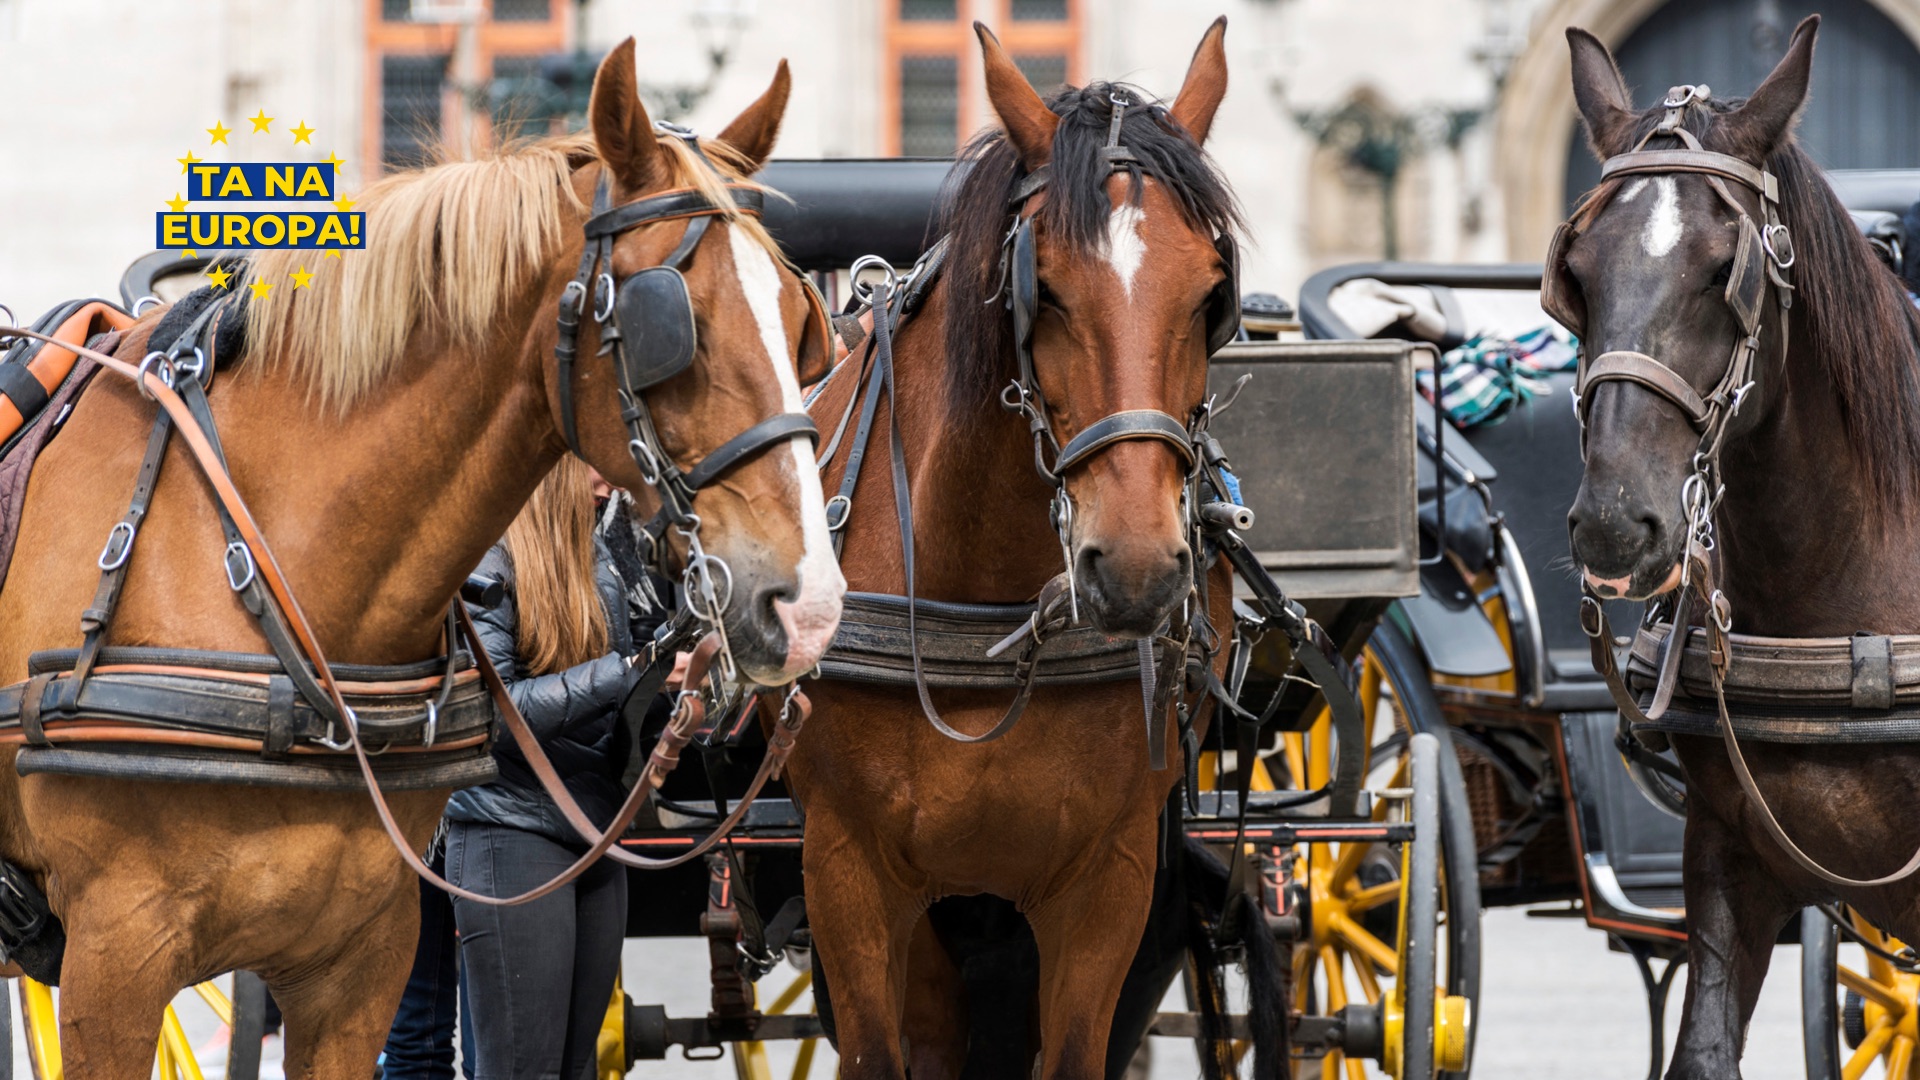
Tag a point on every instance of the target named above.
point(376, 516)
point(981, 519)
point(1800, 553)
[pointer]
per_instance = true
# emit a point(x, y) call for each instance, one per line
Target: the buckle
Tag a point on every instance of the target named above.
point(1775, 239)
point(119, 546)
point(1592, 617)
point(839, 508)
point(240, 568)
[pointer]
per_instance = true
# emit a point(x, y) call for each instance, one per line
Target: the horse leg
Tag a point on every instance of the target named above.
point(864, 923)
point(1734, 914)
point(338, 1010)
point(122, 967)
point(1088, 935)
point(936, 1015)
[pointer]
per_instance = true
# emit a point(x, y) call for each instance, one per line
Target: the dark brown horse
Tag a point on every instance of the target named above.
point(1816, 534)
point(1060, 815)
point(385, 426)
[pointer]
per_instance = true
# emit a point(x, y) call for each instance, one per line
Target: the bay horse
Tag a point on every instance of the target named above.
point(386, 424)
point(1060, 815)
point(1817, 443)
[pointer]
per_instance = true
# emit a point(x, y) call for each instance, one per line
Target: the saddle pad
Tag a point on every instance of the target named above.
point(17, 463)
point(872, 646)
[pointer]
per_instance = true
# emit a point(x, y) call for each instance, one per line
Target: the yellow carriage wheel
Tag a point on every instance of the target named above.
point(174, 1058)
point(1858, 1018)
point(1354, 939)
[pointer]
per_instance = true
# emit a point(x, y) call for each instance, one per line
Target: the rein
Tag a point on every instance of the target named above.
point(1764, 257)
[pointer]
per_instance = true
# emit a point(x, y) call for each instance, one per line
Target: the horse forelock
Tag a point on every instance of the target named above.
point(1073, 210)
point(449, 248)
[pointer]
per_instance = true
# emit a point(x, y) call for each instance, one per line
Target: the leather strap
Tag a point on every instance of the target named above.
point(668, 205)
point(766, 433)
point(1648, 372)
point(1120, 427)
point(1640, 162)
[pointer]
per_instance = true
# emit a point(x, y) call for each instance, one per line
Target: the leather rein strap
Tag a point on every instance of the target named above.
point(688, 716)
point(1701, 494)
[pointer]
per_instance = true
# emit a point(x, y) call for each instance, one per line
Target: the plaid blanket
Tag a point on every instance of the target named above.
point(1482, 379)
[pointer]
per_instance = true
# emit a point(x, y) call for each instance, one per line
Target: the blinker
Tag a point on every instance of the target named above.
point(654, 315)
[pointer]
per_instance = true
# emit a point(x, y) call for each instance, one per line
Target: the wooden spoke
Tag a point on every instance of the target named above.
point(1900, 1059)
point(1872, 989)
point(1364, 900)
point(1877, 1039)
point(1358, 939)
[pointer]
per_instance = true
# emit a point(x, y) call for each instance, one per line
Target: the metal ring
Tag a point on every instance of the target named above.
point(147, 299)
point(603, 290)
point(111, 560)
point(10, 315)
point(433, 724)
point(165, 372)
point(835, 524)
point(865, 289)
point(1766, 242)
point(647, 461)
point(234, 577)
point(199, 369)
point(334, 744)
point(578, 294)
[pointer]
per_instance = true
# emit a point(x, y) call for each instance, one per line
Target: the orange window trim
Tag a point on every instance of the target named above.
point(920, 37)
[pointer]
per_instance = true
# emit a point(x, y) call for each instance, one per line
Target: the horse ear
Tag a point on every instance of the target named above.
point(1601, 93)
point(1764, 122)
point(754, 131)
point(1030, 124)
point(622, 131)
point(1206, 83)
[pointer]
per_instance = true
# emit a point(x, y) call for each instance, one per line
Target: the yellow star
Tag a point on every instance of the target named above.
point(301, 278)
point(219, 132)
point(344, 204)
point(303, 134)
point(176, 204)
point(187, 162)
point(333, 161)
point(260, 290)
point(188, 254)
point(260, 120)
point(219, 277)
point(331, 254)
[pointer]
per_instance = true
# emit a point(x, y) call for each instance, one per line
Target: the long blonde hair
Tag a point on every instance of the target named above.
point(561, 620)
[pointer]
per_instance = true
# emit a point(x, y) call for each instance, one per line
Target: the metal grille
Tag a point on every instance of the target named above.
point(1040, 11)
point(522, 10)
point(929, 10)
point(410, 108)
point(396, 10)
point(1046, 73)
point(515, 100)
point(929, 105)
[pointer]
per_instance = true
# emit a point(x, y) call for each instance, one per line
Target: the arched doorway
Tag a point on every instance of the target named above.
point(1863, 113)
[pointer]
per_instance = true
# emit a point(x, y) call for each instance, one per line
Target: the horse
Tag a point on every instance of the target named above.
point(1809, 443)
point(386, 423)
point(1100, 217)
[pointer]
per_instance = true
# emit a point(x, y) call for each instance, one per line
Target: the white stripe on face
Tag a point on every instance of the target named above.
point(1126, 248)
point(1663, 222)
point(812, 616)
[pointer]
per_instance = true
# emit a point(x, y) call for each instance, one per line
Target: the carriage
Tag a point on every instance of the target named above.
point(1564, 806)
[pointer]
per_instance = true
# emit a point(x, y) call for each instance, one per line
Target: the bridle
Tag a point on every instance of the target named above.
point(1764, 257)
point(1020, 284)
point(646, 320)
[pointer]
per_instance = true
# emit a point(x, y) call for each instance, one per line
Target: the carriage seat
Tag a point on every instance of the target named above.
point(31, 372)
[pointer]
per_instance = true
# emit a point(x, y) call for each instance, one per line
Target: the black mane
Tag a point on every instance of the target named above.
point(975, 216)
point(1855, 311)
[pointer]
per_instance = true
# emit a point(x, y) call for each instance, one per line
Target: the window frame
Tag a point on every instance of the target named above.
point(902, 38)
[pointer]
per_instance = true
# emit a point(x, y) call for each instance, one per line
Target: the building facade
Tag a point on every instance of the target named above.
point(1353, 130)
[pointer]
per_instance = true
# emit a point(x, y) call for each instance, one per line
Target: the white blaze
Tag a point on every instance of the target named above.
point(811, 618)
point(1126, 248)
point(1639, 184)
point(1663, 222)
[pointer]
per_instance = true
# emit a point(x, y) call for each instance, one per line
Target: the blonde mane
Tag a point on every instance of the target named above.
point(448, 247)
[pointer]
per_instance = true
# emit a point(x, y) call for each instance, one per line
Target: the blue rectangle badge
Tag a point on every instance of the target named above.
point(259, 181)
point(259, 229)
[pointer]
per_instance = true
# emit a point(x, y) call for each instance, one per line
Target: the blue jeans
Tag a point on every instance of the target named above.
point(420, 1045)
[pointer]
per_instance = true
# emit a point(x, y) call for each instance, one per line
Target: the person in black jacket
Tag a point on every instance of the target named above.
point(539, 975)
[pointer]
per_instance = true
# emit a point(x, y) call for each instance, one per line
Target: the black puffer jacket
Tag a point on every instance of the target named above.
point(574, 713)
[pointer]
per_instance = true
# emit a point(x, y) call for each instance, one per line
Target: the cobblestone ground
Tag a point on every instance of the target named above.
point(1555, 1004)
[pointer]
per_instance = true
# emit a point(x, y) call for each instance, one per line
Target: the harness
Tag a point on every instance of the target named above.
point(1174, 665)
point(294, 708)
point(646, 322)
point(1782, 679)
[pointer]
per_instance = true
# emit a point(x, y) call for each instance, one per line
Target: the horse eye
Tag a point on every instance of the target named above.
point(1722, 276)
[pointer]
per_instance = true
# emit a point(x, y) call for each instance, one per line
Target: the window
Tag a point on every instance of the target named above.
point(410, 108)
point(933, 98)
point(522, 10)
point(396, 10)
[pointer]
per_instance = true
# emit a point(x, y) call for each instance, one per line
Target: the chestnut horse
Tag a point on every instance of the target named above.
point(1816, 533)
point(385, 427)
point(1059, 816)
